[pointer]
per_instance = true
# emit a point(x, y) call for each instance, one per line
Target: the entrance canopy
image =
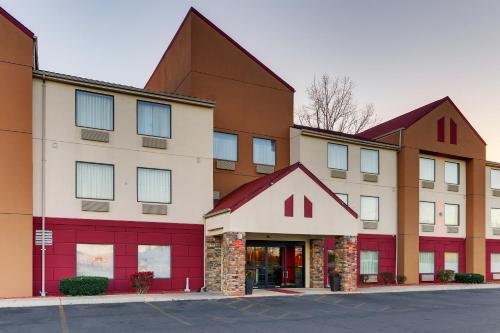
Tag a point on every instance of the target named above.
point(290, 201)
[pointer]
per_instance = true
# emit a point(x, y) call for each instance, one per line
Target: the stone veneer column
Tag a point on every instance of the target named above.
point(346, 252)
point(233, 264)
point(213, 263)
point(317, 263)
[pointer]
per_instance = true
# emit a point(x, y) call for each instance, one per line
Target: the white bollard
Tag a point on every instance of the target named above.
point(187, 290)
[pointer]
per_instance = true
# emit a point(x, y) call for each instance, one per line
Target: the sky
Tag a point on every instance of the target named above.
point(400, 54)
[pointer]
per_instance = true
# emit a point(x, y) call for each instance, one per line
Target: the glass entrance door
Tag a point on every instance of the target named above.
point(276, 264)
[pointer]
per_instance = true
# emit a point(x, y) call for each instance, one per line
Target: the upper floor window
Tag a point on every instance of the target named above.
point(337, 156)
point(153, 119)
point(495, 179)
point(427, 166)
point(344, 197)
point(95, 181)
point(264, 151)
point(452, 173)
point(154, 185)
point(225, 146)
point(369, 161)
point(427, 212)
point(495, 217)
point(94, 110)
point(451, 214)
point(369, 208)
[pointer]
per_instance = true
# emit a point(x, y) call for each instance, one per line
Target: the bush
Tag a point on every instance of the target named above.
point(387, 277)
point(446, 275)
point(400, 279)
point(83, 285)
point(469, 278)
point(142, 281)
point(364, 278)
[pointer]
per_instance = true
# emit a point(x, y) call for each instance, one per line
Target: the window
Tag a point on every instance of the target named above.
point(369, 262)
point(369, 161)
point(264, 151)
point(94, 260)
point(225, 146)
point(369, 208)
point(94, 110)
point(451, 261)
point(495, 217)
point(426, 263)
point(331, 260)
point(344, 197)
point(154, 258)
point(337, 156)
point(154, 185)
point(451, 214)
point(427, 169)
point(427, 212)
point(495, 179)
point(495, 262)
point(95, 181)
point(452, 173)
point(153, 119)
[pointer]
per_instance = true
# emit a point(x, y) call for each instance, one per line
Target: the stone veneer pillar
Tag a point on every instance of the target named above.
point(233, 264)
point(213, 263)
point(317, 263)
point(346, 252)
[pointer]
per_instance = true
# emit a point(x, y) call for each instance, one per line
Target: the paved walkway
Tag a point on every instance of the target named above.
point(148, 298)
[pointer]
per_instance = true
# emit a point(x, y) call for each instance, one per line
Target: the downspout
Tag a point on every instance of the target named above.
point(397, 208)
point(203, 289)
point(43, 292)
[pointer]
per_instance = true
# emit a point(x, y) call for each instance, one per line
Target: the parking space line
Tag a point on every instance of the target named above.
point(247, 307)
point(63, 320)
point(165, 313)
point(359, 305)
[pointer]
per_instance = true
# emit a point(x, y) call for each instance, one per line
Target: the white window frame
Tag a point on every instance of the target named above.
point(150, 269)
point(273, 147)
point(420, 264)
point(424, 203)
point(112, 198)
point(363, 170)
point(77, 122)
point(168, 109)
point(447, 262)
point(363, 256)
point(494, 267)
point(333, 146)
point(235, 136)
point(169, 172)
point(492, 171)
point(420, 160)
point(361, 208)
point(497, 210)
point(112, 257)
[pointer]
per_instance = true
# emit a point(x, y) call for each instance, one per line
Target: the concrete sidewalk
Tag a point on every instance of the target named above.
point(197, 296)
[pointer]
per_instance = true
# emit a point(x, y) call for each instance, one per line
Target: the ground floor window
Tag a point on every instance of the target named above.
point(426, 262)
point(94, 260)
point(495, 262)
point(154, 258)
point(331, 260)
point(451, 261)
point(368, 262)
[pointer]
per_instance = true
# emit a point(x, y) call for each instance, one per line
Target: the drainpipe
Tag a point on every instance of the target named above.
point(397, 211)
point(43, 292)
point(204, 255)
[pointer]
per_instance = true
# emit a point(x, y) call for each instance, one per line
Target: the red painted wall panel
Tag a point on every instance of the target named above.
point(492, 246)
point(453, 132)
point(186, 241)
point(386, 247)
point(308, 207)
point(289, 206)
point(440, 245)
point(440, 129)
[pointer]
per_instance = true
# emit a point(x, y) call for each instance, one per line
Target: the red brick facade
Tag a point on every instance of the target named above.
point(186, 241)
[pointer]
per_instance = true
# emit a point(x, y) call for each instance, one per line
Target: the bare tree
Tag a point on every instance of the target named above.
point(332, 107)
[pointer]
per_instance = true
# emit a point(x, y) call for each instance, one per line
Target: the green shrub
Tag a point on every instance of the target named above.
point(469, 278)
point(83, 285)
point(445, 275)
point(387, 277)
point(400, 279)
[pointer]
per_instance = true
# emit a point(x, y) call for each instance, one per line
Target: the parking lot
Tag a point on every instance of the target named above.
point(437, 311)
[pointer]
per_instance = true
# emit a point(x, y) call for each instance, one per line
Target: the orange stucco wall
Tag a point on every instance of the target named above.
point(421, 137)
point(250, 101)
point(16, 59)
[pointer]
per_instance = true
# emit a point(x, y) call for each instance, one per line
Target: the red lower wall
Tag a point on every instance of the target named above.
point(492, 246)
point(186, 241)
point(386, 247)
point(440, 245)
